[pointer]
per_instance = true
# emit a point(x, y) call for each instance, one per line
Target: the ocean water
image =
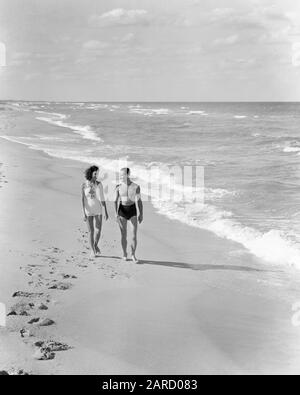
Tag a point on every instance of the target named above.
point(250, 153)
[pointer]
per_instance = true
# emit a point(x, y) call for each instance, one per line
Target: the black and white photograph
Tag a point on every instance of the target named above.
point(149, 189)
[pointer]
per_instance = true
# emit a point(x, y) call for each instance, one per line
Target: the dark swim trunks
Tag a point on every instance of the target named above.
point(127, 212)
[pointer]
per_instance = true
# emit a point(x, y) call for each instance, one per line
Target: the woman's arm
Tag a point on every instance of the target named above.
point(83, 202)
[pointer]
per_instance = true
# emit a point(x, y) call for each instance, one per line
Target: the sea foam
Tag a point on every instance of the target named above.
point(58, 120)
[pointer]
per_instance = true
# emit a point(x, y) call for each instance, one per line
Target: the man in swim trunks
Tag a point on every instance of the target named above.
point(128, 199)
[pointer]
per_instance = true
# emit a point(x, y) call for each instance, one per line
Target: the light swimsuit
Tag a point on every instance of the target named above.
point(93, 196)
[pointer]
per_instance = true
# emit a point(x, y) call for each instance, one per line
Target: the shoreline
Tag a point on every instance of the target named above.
point(209, 307)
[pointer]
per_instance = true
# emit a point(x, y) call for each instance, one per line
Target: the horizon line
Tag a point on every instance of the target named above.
point(148, 101)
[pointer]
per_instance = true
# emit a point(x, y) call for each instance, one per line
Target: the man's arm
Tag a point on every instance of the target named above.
point(140, 205)
point(103, 202)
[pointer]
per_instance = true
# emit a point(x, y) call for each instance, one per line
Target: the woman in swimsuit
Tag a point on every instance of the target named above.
point(92, 202)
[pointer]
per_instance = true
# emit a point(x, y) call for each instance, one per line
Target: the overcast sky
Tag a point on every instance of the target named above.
point(150, 50)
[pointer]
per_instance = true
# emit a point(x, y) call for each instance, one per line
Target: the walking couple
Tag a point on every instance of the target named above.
point(128, 207)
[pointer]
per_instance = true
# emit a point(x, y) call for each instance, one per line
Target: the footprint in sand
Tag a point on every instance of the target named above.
point(20, 308)
point(67, 276)
point(42, 306)
point(55, 250)
point(22, 294)
point(21, 313)
point(43, 354)
point(53, 345)
point(61, 286)
point(33, 321)
point(14, 372)
point(26, 333)
point(46, 349)
point(46, 322)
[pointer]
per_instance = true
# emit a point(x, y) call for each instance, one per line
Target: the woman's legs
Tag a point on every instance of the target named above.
point(98, 228)
point(90, 223)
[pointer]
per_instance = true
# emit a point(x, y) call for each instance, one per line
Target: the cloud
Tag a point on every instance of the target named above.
point(121, 17)
point(259, 17)
point(128, 38)
point(23, 58)
point(91, 51)
point(227, 40)
point(95, 45)
point(222, 14)
point(191, 51)
point(296, 54)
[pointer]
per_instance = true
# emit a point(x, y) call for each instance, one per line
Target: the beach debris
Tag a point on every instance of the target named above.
point(21, 294)
point(46, 322)
point(52, 345)
point(43, 354)
point(26, 333)
point(61, 286)
point(33, 321)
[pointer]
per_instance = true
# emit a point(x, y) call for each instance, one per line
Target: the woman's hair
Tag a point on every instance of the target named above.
point(89, 172)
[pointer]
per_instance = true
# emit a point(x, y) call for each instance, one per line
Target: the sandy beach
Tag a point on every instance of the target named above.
point(193, 106)
point(196, 304)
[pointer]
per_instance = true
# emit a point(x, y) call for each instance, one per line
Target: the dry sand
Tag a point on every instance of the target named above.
point(195, 304)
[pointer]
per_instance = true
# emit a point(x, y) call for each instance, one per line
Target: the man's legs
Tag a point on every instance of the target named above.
point(123, 228)
point(134, 225)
